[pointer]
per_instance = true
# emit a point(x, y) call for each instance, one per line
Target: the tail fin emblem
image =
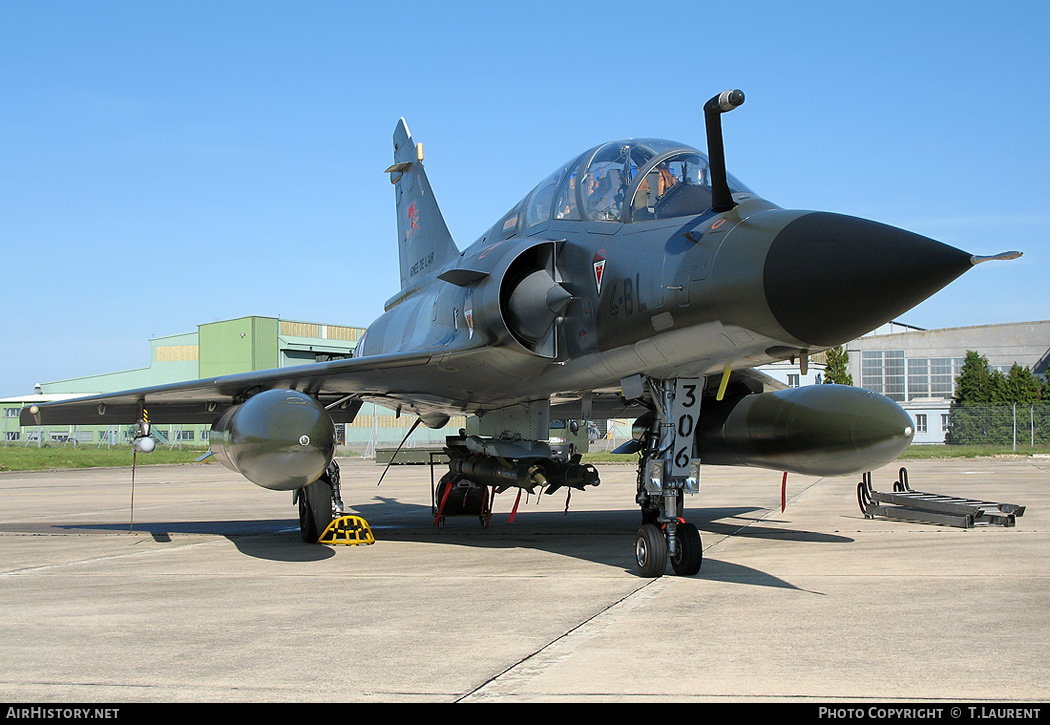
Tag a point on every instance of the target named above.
point(413, 218)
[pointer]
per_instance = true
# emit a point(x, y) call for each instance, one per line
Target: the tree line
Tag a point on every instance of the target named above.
point(997, 408)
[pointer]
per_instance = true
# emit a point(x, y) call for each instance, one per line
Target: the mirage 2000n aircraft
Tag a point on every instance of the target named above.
point(638, 279)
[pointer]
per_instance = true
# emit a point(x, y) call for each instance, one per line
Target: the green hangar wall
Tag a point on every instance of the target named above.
point(218, 348)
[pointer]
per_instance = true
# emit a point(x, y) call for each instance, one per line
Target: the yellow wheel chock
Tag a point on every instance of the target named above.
point(350, 530)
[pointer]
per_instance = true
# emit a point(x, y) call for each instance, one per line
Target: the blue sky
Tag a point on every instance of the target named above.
point(166, 164)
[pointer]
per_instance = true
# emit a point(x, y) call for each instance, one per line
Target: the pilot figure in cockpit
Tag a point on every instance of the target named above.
point(605, 194)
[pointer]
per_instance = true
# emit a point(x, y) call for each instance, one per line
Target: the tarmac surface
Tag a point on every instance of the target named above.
point(209, 595)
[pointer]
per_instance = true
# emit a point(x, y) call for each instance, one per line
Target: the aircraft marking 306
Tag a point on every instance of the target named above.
point(638, 279)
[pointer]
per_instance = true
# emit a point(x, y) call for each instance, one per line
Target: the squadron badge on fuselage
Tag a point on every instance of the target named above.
point(599, 269)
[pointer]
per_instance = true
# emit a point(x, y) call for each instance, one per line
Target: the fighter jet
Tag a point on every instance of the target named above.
point(639, 279)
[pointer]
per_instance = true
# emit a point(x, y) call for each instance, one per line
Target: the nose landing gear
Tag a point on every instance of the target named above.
point(666, 471)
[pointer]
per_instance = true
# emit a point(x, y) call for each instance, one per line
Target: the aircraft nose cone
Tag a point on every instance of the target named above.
point(830, 278)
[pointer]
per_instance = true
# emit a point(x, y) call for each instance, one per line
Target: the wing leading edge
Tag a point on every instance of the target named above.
point(334, 384)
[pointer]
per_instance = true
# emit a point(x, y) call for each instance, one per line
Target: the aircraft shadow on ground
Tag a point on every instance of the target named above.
point(273, 539)
point(602, 537)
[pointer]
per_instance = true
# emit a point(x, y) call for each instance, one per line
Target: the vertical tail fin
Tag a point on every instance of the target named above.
point(424, 241)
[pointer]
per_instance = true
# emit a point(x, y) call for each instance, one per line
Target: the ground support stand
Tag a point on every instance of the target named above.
point(908, 504)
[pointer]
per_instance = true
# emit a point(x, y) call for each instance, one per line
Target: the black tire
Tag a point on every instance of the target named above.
point(315, 509)
point(650, 551)
point(465, 499)
point(690, 551)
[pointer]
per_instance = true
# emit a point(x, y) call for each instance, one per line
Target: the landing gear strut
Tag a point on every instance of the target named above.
point(666, 471)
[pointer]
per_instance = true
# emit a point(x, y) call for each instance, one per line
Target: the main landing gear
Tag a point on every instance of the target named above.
point(319, 504)
point(667, 471)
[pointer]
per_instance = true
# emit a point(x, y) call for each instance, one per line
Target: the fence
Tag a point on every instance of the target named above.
point(1016, 424)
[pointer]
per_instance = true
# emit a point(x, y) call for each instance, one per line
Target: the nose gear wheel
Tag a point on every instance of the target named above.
point(650, 551)
point(690, 554)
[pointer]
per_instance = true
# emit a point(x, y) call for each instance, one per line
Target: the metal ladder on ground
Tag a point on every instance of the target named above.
point(908, 504)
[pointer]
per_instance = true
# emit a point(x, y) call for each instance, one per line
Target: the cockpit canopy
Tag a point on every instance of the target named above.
point(634, 180)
